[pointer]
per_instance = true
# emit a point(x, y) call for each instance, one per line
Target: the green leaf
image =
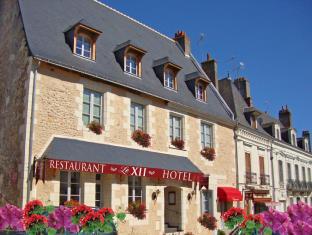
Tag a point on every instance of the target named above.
point(250, 225)
point(51, 231)
point(121, 216)
point(267, 231)
point(49, 209)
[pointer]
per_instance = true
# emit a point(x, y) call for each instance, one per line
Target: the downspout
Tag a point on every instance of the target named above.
point(31, 132)
point(272, 171)
point(236, 154)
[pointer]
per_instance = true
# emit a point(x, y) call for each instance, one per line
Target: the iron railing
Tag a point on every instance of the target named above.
point(264, 179)
point(251, 178)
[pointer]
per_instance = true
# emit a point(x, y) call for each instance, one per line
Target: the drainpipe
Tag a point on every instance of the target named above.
point(31, 133)
point(272, 171)
point(236, 157)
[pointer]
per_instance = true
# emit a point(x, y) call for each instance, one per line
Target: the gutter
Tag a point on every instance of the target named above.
point(31, 133)
point(272, 172)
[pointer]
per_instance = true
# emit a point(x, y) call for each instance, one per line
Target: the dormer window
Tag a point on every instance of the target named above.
point(82, 39)
point(131, 64)
point(169, 79)
point(83, 46)
point(293, 137)
point(130, 57)
point(200, 91)
point(253, 122)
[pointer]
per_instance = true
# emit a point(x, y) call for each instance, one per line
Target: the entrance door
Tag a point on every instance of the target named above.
point(173, 209)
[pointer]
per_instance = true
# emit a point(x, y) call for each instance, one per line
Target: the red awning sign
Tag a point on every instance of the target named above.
point(100, 168)
point(229, 194)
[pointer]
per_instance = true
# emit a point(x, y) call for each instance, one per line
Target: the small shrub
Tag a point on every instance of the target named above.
point(95, 127)
point(208, 153)
point(141, 138)
point(138, 210)
point(178, 143)
point(208, 221)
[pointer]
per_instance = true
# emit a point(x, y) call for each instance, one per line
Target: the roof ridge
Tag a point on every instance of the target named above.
point(134, 20)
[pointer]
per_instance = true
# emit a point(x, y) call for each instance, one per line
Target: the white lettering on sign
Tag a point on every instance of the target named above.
point(77, 166)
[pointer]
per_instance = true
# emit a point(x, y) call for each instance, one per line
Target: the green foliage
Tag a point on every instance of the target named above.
point(221, 232)
point(51, 231)
point(267, 231)
point(36, 229)
point(233, 221)
point(121, 216)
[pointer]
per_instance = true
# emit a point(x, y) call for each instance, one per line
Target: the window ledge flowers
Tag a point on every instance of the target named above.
point(178, 143)
point(138, 210)
point(95, 127)
point(208, 221)
point(208, 153)
point(233, 217)
point(141, 138)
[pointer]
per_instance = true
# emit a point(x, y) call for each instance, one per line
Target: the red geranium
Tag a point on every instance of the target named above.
point(91, 217)
point(35, 220)
point(106, 211)
point(31, 206)
point(256, 218)
point(233, 212)
point(81, 210)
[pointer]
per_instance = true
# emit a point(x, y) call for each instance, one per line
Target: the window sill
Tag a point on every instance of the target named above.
point(132, 75)
point(173, 147)
point(170, 89)
point(83, 57)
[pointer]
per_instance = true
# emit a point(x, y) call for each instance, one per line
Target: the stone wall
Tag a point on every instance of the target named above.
point(14, 74)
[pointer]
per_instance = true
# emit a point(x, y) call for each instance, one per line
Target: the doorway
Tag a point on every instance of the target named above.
point(173, 209)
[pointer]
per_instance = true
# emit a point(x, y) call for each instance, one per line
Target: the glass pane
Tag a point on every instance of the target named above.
point(130, 180)
point(63, 199)
point(138, 199)
point(86, 108)
point(137, 181)
point(97, 188)
point(63, 189)
point(98, 196)
point(76, 198)
point(97, 119)
point(97, 177)
point(96, 111)
point(86, 119)
point(140, 123)
point(75, 177)
point(78, 51)
point(138, 191)
point(86, 96)
point(64, 176)
point(98, 204)
point(74, 189)
point(87, 54)
point(79, 42)
point(130, 191)
point(97, 98)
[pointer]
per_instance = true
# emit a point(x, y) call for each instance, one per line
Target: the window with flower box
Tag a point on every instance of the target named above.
point(175, 127)
point(135, 189)
point(137, 117)
point(69, 186)
point(206, 133)
point(92, 107)
point(207, 201)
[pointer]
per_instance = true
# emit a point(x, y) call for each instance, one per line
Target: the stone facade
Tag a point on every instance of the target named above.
point(15, 68)
point(58, 112)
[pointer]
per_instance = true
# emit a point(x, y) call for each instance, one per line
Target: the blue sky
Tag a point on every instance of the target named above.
point(272, 38)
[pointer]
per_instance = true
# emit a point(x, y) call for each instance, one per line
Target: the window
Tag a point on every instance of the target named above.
point(69, 186)
point(206, 135)
point(200, 91)
point(309, 174)
point(175, 127)
point(169, 79)
point(83, 46)
point(131, 64)
point(281, 173)
point(207, 201)
point(98, 192)
point(135, 189)
point(137, 117)
point(303, 174)
point(253, 121)
point(297, 172)
point(289, 171)
point(92, 106)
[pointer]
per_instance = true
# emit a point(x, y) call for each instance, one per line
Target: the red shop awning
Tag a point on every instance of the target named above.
point(83, 156)
point(229, 194)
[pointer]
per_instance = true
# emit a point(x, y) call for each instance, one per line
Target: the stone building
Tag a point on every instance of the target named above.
point(273, 165)
point(66, 64)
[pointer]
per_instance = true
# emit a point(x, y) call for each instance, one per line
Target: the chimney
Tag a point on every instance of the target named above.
point(211, 69)
point(285, 117)
point(306, 135)
point(243, 86)
point(184, 41)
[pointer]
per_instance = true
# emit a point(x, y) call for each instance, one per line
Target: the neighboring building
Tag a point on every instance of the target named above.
point(274, 166)
point(68, 63)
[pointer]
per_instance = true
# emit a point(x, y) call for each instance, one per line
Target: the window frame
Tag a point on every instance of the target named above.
point(209, 201)
point(69, 184)
point(133, 186)
point(173, 132)
point(137, 64)
point(86, 39)
point(136, 116)
point(166, 83)
point(281, 172)
point(203, 142)
point(91, 106)
point(98, 182)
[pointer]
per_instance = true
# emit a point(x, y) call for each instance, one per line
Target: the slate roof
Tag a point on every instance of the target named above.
point(45, 22)
point(79, 150)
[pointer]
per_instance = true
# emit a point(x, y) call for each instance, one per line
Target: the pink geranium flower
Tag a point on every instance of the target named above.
point(61, 219)
point(11, 218)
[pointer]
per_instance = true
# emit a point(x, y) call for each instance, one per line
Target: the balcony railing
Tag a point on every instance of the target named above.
point(251, 178)
point(297, 185)
point(264, 179)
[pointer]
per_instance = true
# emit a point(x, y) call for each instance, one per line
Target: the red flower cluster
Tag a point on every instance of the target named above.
point(208, 221)
point(71, 203)
point(35, 219)
point(178, 143)
point(208, 153)
point(138, 210)
point(81, 210)
point(141, 138)
point(233, 212)
point(95, 127)
point(256, 218)
point(106, 211)
point(30, 206)
point(92, 216)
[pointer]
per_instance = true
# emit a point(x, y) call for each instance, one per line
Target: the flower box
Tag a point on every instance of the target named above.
point(208, 221)
point(95, 127)
point(141, 138)
point(208, 153)
point(178, 143)
point(138, 210)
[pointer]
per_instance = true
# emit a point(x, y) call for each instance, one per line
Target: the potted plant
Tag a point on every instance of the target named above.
point(208, 221)
point(178, 143)
point(137, 209)
point(208, 153)
point(141, 138)
point(95, 127)
point(251, 225)
point(11, 219)
point(233, 217)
